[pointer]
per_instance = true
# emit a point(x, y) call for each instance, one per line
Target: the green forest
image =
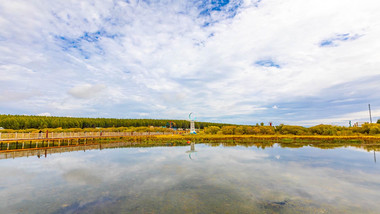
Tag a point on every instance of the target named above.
point(22, 122)
point(41, 122)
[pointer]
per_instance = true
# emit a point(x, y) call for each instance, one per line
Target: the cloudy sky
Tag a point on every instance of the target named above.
point(241, 61)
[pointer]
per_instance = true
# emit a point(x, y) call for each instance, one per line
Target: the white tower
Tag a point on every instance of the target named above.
point(192, 127)
point(192, 124)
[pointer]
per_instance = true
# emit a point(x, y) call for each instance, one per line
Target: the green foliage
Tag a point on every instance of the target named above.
point(41, 122)
point(374, 129)
point(294, 130)
point(249, 130)
point(323, 130)
point(266, 130)
point(371, 128)
point(240, 130)
point(31, 124)
point(365, 128)
point(228, 130)
point(252, 130)
point(212, 129)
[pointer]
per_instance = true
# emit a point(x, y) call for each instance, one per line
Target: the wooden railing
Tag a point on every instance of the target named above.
point(70, 135)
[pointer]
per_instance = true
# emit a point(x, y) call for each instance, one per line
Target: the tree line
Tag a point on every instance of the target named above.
point(328, 130)
point(23, 122)
point(40, 122)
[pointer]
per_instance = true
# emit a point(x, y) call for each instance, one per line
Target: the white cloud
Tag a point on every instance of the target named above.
point(308, 177)
point(235, 69)
point(343, 119)
point(44, 114)
point(86, 91)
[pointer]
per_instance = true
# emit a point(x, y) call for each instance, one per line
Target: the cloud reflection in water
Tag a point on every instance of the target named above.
point(220, 179)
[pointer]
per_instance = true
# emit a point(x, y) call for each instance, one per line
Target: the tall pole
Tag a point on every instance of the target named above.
point(370, 116)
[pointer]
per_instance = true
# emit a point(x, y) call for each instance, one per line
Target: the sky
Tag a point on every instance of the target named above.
point(301, 62)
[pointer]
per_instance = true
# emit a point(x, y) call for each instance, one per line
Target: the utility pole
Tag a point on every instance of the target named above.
point(370, 116)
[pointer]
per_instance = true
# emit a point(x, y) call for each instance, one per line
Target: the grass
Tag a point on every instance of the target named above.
point(284, 138)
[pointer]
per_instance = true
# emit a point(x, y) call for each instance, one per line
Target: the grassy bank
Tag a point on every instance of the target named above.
point(363, 138)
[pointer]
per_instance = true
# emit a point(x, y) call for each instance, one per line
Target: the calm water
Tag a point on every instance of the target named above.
point(214, 179)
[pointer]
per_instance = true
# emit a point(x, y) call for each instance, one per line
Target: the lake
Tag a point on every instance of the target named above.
point(200, 178)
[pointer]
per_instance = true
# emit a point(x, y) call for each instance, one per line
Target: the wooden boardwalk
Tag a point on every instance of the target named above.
point(31, 141)
point(11, 137)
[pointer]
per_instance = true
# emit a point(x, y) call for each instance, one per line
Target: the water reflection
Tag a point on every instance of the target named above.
point(44, 152)
point(192, 149)
point(225, 178)
point(99, 145)
point(374, 156)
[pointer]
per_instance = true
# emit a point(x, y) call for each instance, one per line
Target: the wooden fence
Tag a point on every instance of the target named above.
point(71, 135)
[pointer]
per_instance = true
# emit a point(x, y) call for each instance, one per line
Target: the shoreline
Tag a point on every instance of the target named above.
point(270, 137)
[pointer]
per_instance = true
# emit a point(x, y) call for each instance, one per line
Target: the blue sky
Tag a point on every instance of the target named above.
point(241, 61)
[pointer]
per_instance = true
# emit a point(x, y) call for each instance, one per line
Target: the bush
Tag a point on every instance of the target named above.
point(294, 130)
point(212, 130)
point(252, 130)
point(374, 129)
point(240, 130)
point(229, 130)
point(324, 130)
point(266, 129)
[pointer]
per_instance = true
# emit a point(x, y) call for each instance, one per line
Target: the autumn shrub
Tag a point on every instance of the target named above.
point(294, 130)
point(228, 130)
point(239, 130)
point(212, 130)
